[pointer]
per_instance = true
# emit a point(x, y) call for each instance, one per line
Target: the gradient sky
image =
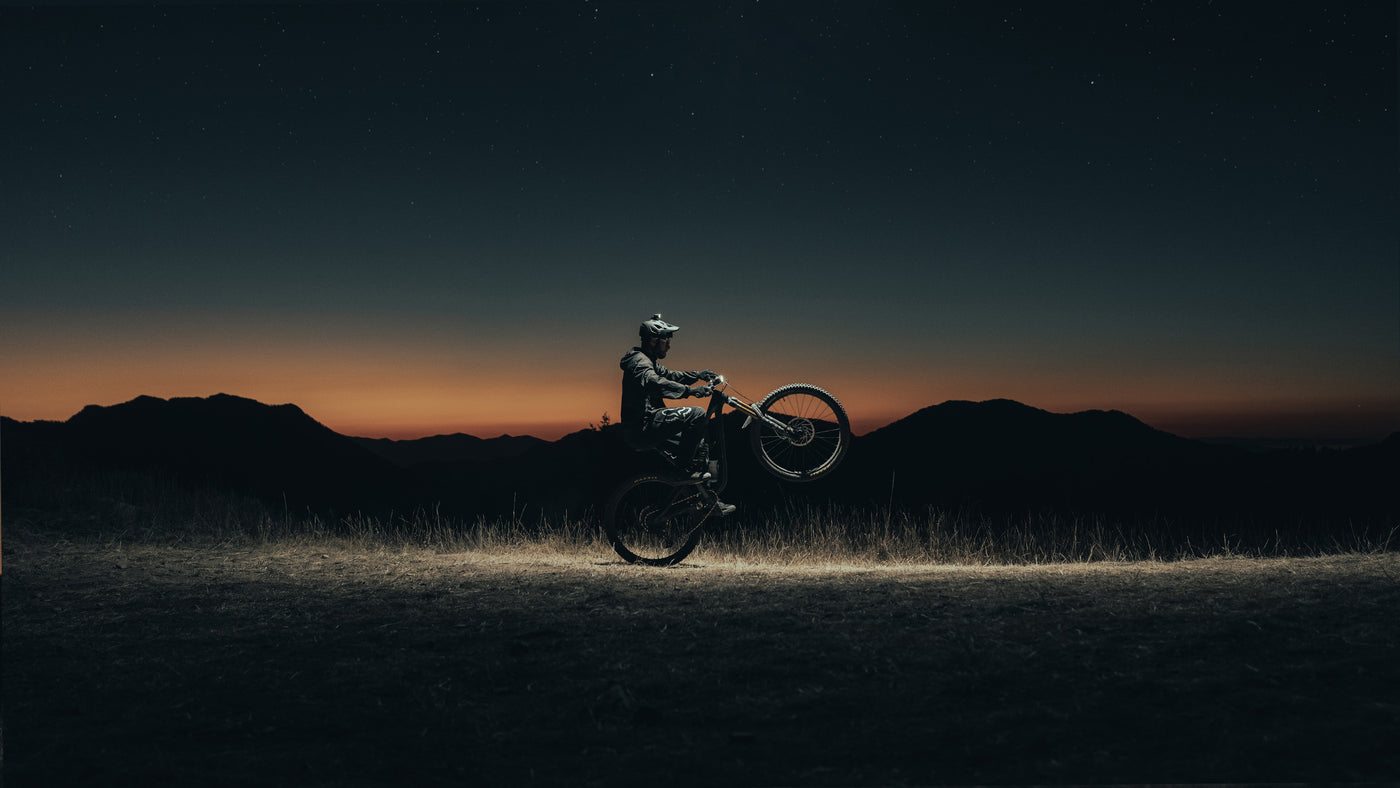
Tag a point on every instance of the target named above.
point(430, 218)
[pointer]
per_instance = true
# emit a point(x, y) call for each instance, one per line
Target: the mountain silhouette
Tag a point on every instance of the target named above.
point(457, 447)
point(276, 452)
point(1006, 455)
point(1003, 455)
point(992, 456)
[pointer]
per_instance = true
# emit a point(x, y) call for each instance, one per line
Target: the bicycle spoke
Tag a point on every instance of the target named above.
point(814, 436)
point(654, 521)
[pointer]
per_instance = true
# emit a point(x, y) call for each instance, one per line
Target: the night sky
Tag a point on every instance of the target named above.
point(430, 218)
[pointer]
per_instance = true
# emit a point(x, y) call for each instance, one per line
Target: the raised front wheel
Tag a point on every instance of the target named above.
point(812, 434)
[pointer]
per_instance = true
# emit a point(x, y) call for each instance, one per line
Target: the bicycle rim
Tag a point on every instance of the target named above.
point(815, 436)
point(651, 520)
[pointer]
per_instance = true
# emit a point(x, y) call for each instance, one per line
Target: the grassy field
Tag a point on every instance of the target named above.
point(204, 642)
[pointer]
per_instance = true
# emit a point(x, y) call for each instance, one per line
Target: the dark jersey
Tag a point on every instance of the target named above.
point(646, 385)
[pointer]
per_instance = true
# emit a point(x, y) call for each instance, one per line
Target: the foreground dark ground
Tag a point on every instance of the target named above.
point(323, 664)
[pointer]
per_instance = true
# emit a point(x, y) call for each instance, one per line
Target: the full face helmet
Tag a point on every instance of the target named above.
point(656, 327)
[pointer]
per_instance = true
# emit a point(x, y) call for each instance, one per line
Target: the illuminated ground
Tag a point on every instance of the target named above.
point(324, 665)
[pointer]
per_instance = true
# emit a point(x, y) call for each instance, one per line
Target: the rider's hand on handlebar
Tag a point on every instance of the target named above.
point(709, 376)
point(702, 391)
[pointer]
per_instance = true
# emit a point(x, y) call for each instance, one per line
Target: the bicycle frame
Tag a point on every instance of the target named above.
point(715, 435)
point(656, 518)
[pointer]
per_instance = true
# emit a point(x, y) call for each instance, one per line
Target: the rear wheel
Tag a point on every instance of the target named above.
point(657, 521)
point(814, 435)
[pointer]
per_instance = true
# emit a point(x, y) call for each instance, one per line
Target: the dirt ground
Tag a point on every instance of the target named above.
point(323, 664)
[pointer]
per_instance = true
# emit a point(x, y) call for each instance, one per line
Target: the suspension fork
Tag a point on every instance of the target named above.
point(754, 413)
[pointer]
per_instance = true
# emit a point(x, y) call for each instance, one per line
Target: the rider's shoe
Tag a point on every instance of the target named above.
point(698, 476)
point(721, 509)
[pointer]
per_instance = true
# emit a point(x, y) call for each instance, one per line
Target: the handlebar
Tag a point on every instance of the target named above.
point(716, 386)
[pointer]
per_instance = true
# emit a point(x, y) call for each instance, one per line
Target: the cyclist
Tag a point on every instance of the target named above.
point(647, 424)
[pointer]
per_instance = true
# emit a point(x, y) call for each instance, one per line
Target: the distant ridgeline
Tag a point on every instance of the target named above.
point(996, 457)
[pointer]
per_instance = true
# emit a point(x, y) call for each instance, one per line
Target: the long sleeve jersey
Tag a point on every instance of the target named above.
point(646, 385)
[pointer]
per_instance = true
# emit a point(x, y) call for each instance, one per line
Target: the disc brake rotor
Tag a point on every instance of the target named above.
point(801, 431)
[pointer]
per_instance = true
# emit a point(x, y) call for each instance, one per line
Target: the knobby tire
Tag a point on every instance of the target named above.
point(651, 519)
point(824, 433)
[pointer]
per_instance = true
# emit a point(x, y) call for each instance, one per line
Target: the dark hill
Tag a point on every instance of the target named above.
point(457, 447)
point(1008, 430)
point(1005, 456)
point(994, 456)
point(271, 451)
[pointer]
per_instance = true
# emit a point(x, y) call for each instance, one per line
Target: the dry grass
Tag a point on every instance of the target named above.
point(154, 509)
point(156, 634)
point(353, 660)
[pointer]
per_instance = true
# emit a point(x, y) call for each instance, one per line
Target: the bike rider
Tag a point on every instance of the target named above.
point(647, 424)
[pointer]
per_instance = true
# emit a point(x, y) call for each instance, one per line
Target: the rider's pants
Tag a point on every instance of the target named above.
point(681, 428)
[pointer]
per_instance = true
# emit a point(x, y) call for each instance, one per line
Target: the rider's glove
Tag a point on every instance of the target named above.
point(708, 375)
point(702, 391)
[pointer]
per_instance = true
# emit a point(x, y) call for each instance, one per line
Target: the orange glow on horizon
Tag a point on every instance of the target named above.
point(387, 386)
point(434, 406)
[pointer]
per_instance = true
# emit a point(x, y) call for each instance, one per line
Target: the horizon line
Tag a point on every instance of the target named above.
point(1320, 426)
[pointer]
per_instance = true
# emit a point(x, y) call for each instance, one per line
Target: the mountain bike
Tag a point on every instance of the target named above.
point(798, 432)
